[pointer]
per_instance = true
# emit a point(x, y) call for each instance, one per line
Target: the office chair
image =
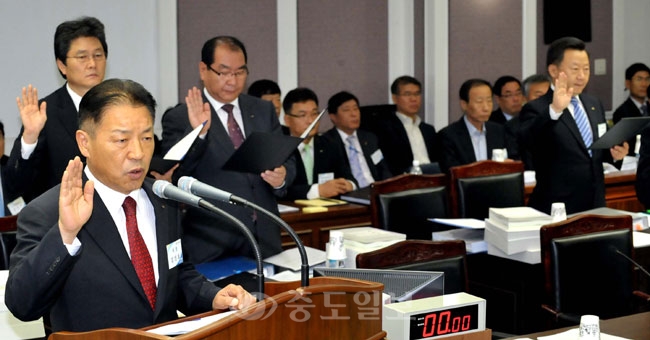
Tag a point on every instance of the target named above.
point(585, 271)
point(371, 114)
point(405, 202)
point(7, 239)
point(440, 256)
point(476, 187)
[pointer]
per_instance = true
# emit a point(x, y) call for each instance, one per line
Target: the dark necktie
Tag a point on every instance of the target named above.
point(233, 128)
point(139, 254)
point(644, 109)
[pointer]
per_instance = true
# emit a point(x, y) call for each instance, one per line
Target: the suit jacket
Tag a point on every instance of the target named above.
point(498, 117)
point(516, 150)
point(98, 287)
point(56, 146)
point(7, 194)
point(564, 170)
point(395, 146)
point(626, 110)
point(326, 160)
point(457, 146)
point(208, 237)
point(369, 146)
point(643, 170)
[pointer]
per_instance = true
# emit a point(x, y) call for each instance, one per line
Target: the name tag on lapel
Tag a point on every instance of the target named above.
point(376, 157)
point(324, 177)
point(174, 253)
point(602, 128)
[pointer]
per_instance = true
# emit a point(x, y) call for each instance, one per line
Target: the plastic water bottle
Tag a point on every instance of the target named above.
point(416, 169)
point(336, 250)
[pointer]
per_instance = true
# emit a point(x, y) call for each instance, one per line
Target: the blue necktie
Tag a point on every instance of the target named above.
point(644, 109)
point(583, 123)
point(355, 165)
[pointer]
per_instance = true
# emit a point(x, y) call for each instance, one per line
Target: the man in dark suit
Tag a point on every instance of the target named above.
point(559, 127)
point(319, 172)
point(47, 140)
point(270, 91)
point(358, 150)
point(229, 117)
point(403, 136)
point(91, 260)
point(507, 91)
point(637, 79)
point(7, 196)
point(473, 137)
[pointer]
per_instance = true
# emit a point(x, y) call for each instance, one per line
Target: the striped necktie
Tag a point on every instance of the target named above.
point(355, 164)
point(583, 123)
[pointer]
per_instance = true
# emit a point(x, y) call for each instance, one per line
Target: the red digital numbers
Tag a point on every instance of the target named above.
point(443, 323)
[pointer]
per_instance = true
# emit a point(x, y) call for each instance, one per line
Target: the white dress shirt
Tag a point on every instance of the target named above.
point(416, 139)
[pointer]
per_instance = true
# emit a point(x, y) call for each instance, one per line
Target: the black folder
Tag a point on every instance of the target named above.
point(262, 151)
point(623, 131)
point(161, 165)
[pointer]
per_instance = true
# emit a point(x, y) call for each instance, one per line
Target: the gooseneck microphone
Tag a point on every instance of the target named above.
point(196, 187)
point(630, 259)
point(166, 190)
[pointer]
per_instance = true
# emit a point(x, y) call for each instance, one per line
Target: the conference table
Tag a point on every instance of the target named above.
point(635, 326)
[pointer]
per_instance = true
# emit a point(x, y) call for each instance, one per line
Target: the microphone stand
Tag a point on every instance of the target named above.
point(249, 235)
point(304, 267)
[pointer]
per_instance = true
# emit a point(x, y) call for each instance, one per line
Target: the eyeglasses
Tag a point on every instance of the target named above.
point(85, 58)
point(411, 94)
point(641, 79)
point(509, 95)
point(240, 73)
point(303, 115)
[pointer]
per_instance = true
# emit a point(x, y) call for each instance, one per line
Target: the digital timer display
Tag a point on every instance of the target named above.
point(444, 322)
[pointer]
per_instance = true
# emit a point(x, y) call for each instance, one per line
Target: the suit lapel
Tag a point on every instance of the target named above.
point(219, 133)
point(102, 229)
point(465, 141)
point(247, 115)
point(163, 237)
point(568, 119)
point(368, 150)
point(67, 112)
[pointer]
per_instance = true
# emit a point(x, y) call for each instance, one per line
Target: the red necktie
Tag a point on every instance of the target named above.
point(139, 254)
point(233, 128)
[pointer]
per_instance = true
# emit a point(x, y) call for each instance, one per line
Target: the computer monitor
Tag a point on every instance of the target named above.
point(402, 285)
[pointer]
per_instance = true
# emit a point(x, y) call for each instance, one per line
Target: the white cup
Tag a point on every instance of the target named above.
point(499, 155)
point(589, 328)
point(558, 212)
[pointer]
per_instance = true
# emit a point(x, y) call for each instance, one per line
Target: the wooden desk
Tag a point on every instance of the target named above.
point(636, 326)
point(620, 192)
point(313, 228)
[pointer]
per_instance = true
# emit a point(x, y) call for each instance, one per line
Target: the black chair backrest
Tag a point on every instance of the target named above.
point(590, 276)
point(477, 195)
point(407, 211)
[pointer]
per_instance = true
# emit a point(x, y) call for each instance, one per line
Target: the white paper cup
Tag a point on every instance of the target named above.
point(558, 212)
point(589, 328)
point(498, 155)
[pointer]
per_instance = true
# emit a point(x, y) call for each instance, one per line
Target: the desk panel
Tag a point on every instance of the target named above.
point(313, 228)
point(620, 191)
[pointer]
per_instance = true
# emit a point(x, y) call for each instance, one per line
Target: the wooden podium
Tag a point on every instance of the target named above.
point(330, 308)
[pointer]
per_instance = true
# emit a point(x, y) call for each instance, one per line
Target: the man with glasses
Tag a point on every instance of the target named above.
point(637, 79)
point(229, 116)
point(507, 90)
point(403, 136)
point(319, 171)
point(47, 139)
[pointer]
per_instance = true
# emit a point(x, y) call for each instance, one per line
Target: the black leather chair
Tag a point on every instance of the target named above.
point(405, 202)
point(7, 239)
point(448, 257)
point(585, 271)
point(476, 187)
point(371, 114)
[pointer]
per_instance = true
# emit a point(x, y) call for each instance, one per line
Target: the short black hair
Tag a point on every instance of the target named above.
point(298, 95)
point(2, 130)
point(634, 68)
point(469, 84)
point(555, 53)
point(534, 79)
point(501, 82)
point(68, 31)
point(401, 81)
point(109, 93)
point(338, 99)
point(207, 52)
point(262, 87)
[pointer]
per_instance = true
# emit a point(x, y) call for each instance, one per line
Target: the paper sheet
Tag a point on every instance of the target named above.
point(468, 223)
point(178, 151)
point(290, 258)
point(190, 325)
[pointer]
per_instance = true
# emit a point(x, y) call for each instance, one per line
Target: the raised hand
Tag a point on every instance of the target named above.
point(32, 115)
point(75, 202)
point(562, 94)
point(197, 111)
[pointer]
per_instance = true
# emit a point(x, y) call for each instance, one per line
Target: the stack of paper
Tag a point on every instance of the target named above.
point(514, 233)
point(469, 230)
point(366, 239)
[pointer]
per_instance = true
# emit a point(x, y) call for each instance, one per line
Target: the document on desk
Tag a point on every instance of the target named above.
point(467, 223)
point(574, 333)
point(12, 328)
point(290, 258)
point(190, 325)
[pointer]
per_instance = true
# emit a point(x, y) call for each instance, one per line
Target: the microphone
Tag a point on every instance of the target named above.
point(196, 187)
point(166, 190)
point(630, 259)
